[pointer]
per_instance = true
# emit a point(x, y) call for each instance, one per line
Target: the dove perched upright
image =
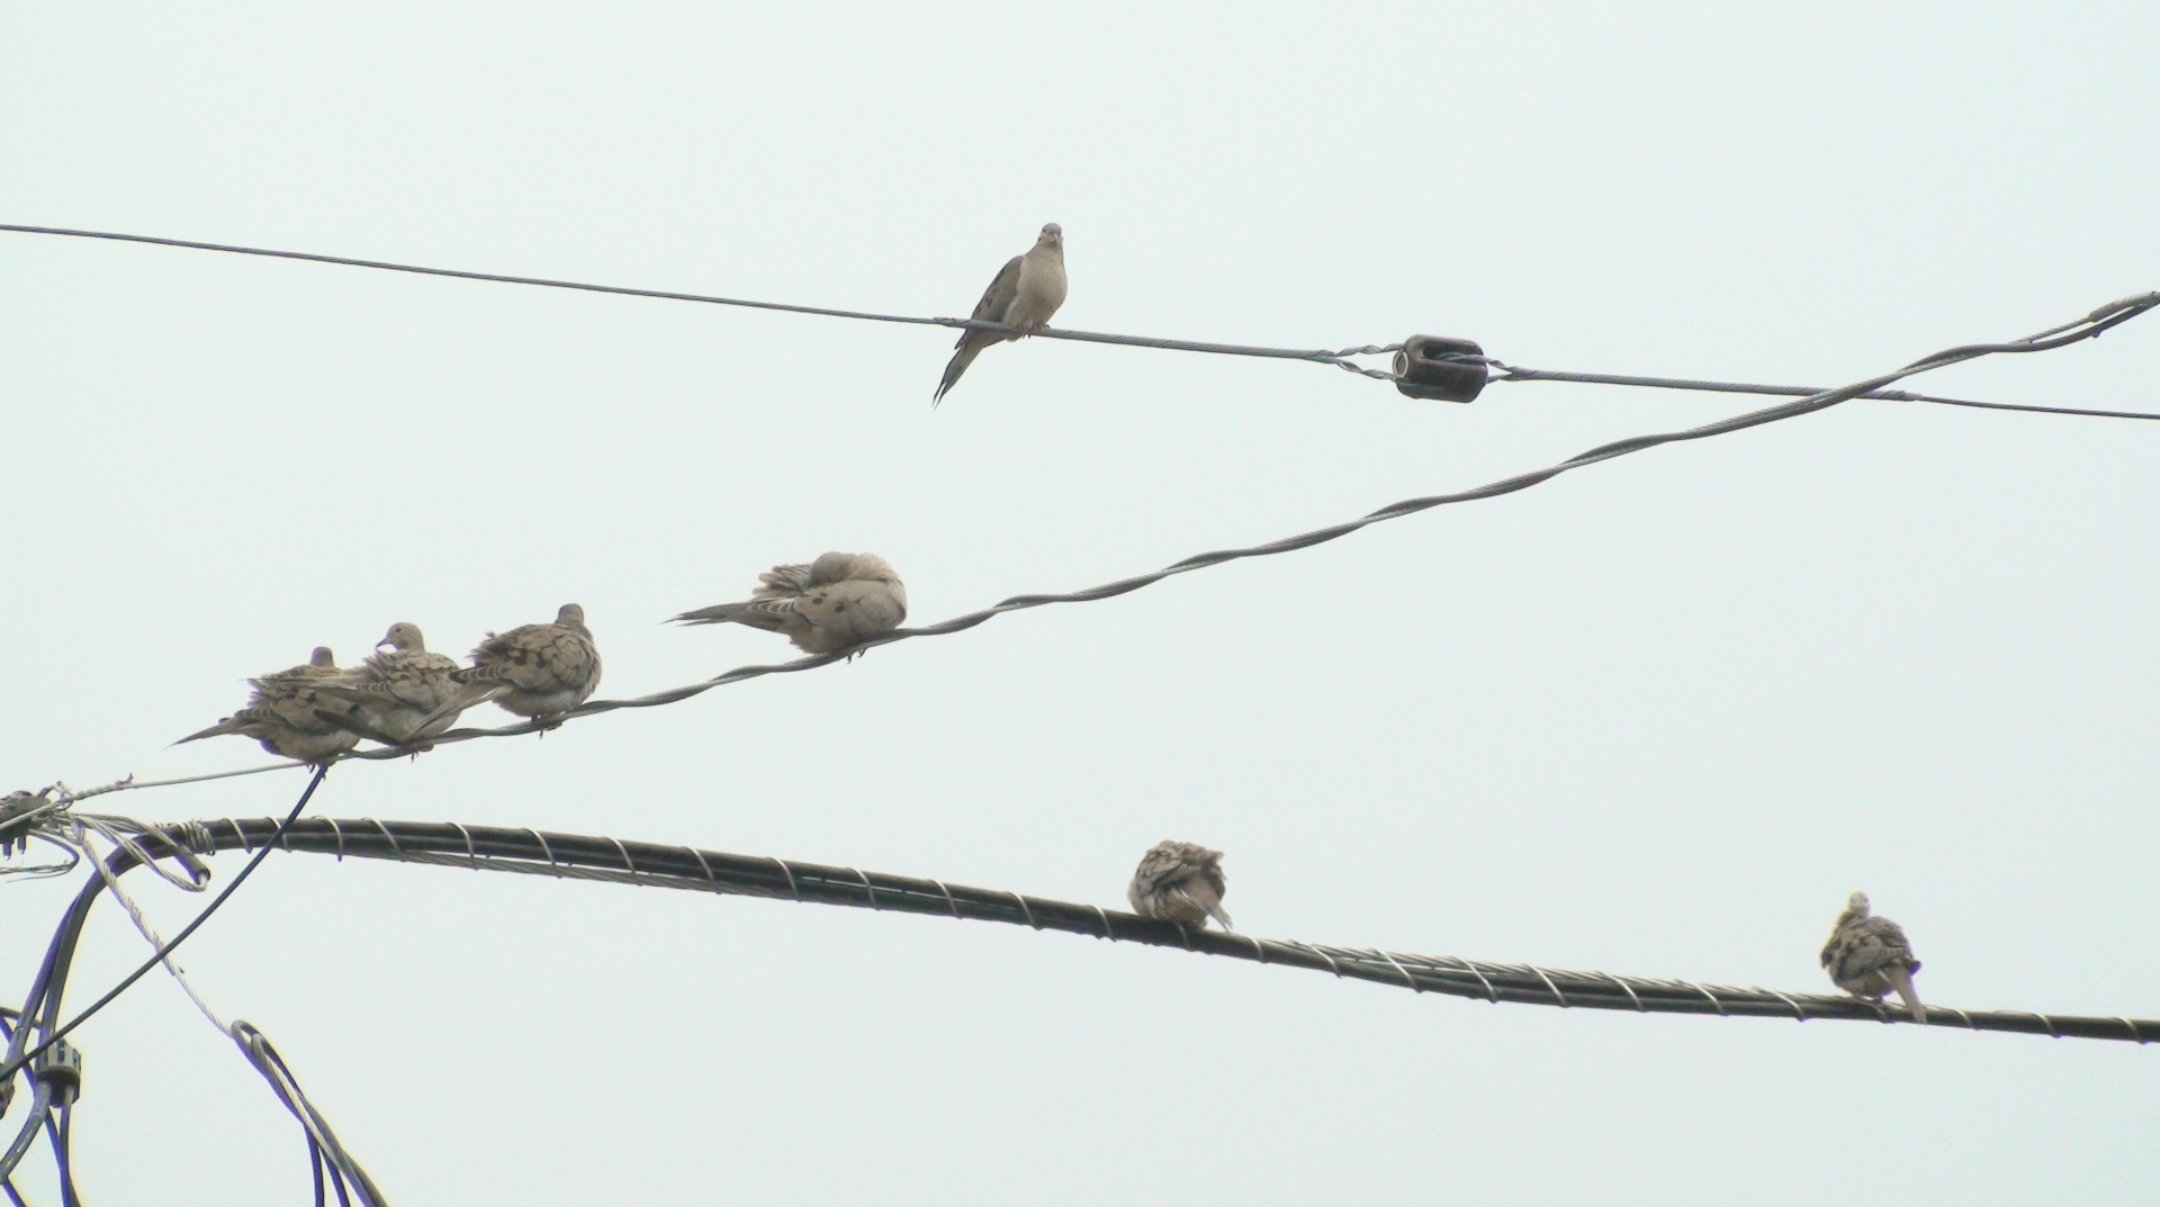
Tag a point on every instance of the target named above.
point(282, 713)
point(1026, 292)
point(837, 601)
point(1179, 882)
point(1868, 957)
point(400, 694)
point(534, 670)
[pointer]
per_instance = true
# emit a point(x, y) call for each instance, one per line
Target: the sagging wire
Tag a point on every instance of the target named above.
point(2089, 326)
point(585, 857)
point(1340, 358)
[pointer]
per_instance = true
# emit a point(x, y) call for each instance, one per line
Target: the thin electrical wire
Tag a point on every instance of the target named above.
point(322, 1140)
point(2098, 320)
point(40, 1103)
point(1508, 372)
point(1339, 358)
point(61, 1135)
point(585, 857)
point(48, 983)
point(149, 933)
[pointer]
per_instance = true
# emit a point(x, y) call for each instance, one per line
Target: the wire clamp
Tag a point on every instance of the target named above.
point(60, 1067)
point(1440, 368)
point(14, 808)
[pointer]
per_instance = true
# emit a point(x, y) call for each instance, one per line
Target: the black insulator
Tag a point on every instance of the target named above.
point(1437, 367)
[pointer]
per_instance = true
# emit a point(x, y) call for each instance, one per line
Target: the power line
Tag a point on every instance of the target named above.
point(585, 857)
point(44, 996)
point(1507, 372)
point(1340, 358)
point(2087, 327)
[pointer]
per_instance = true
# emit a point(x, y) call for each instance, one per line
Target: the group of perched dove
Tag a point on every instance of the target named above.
point(404, 695)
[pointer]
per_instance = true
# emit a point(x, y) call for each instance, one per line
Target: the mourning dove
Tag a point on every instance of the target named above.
point(283, 713)
point(1179, 882)
point(1027, 291)
point(534, 670)
point(399, 695)
point(1868, 957)
point(839, 600)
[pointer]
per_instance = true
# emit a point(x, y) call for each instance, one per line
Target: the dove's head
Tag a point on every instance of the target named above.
point(872, 568)
point(833, 568)
point(404, 635)
point(1052, 235)
point(322, 657)
point(571, 616)
point(1857, 905)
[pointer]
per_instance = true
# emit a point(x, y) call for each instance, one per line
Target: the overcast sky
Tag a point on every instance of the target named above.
point(1658, 717)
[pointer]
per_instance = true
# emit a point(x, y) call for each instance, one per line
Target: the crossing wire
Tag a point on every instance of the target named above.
point(2092, 324)
point(1340, 358)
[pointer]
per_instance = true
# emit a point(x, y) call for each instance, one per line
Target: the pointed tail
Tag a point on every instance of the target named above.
point(737, 613)
point(228, 725)
point(471, 695)
point(959, 363)
point(1901, 980)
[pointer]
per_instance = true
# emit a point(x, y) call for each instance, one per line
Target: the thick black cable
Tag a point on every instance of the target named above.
point(54, 974)
point(591, 857)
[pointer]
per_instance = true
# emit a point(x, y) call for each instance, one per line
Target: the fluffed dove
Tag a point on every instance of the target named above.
point(1179, 882)
point(1026, 292)
point(282, 713)
point(837, 601)
point(534, 670)
point(400, 694)
point(1868, 957)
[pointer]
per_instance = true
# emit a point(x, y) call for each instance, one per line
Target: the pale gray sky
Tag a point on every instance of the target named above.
point(1658, 717)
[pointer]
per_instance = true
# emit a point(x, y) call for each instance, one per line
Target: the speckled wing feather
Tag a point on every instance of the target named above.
point(1024, 294)
point(1180, 882)
point(533, 670)
point(1868, 957)
point(400, 693)
point(284, 713)
point(823, 607)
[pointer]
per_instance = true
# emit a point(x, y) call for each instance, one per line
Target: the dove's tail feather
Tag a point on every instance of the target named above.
point(352, 722)
point(471, 695)
point(1215, 911)
point(738, 613)
point(959, 363)
point(1901, 980)
point(228, 725)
